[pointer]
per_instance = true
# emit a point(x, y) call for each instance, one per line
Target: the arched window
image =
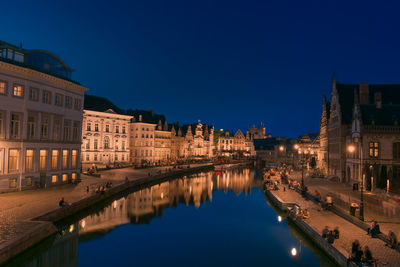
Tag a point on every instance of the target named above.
point(106, 142)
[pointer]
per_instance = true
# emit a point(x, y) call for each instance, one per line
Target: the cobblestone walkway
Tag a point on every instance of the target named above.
point(348, 231)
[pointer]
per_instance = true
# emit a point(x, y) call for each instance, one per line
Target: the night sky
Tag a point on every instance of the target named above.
point(228, 63)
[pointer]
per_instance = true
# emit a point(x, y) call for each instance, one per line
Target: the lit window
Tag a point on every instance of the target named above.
point(29, 160)
point(18, 90)
point(74, 158)
point(64, 177)
point(65, 159)
point(54, 178)
point(3, 88)
point(374, 149)
point(54, 159)
point(43, 159)
point(73, 176)
point(13, 158)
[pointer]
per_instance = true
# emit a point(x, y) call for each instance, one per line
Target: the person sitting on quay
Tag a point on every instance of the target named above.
point(306, 214)
point(392, 239)
point(62, 203)
point(336, 232)
point(317, 196)
point(368, 256)
point(356, 252)
point(300, 214)
point(325, 232)
point(374, 229)
point(329, 202)
point(330, 237)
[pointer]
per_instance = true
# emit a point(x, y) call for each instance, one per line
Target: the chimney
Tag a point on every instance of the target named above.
point(364, 93)
point(378, 99)
point(140, 117)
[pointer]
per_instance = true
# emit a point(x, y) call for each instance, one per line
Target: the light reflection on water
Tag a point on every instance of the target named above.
point(208, 219)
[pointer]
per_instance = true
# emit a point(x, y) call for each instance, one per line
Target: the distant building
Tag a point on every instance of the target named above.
point(142, 142)
point(40, 120)
point(236, 146)
point(256, 133)
point(105, 138)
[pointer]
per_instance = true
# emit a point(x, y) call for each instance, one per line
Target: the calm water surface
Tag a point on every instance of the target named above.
point(208, 219)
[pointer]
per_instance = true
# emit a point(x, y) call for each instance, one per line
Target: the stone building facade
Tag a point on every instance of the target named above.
point(362, 117)
point(40, 120)
point(105, 138)
point(237, 146)
point(142, 142)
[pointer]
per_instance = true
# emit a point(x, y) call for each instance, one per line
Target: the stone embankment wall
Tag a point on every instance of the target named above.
point(332, 252)
point(43, 226)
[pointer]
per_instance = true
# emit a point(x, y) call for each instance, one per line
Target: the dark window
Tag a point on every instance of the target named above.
point(396, 150)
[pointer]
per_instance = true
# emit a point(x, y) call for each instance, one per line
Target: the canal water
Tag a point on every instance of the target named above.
point(207, 219)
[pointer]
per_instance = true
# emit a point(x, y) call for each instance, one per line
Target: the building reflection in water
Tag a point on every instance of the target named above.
point(138, 207)
point(146, 204)
point(61, 251)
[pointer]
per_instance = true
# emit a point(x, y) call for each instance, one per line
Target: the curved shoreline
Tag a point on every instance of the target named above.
point(44, 226)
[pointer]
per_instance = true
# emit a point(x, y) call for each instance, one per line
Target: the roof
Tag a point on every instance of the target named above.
point(390, 95)
point(387, 115)
point(38, 60)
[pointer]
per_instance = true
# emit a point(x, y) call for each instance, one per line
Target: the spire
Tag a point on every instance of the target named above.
point(179, 131)
point(159, 126)
point(334, 82)
point(173, 132)
point(165, 125)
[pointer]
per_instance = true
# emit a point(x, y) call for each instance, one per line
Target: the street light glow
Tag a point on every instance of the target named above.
point(279, 218)
point(281, 148)
point(351, 148)
point(296, 146)
point(294, 251)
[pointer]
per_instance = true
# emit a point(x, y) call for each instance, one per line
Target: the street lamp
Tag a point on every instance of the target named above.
point(351, 149)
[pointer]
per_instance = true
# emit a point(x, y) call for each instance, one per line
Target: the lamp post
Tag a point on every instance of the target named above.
point(351, 149)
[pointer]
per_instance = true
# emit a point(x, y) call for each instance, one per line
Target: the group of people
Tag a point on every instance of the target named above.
point(298, 213)
point(103, 188)
point(324, 204)
point(359, 256)
point(330, 235)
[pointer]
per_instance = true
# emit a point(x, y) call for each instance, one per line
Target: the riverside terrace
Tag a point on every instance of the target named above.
point(349, 232)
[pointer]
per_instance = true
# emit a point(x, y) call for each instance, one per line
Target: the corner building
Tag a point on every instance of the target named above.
point(40, 120)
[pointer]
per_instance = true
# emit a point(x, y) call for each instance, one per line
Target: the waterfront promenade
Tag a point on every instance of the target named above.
point(17, 209)
point(348, 231)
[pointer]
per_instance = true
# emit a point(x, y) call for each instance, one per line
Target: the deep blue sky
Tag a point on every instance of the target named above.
point(228, 63)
